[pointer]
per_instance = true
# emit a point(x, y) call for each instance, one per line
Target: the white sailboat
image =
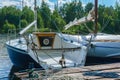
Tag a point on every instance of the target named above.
point(52, 51)
point(105, 45)
point(45, 50)
point(102, 45)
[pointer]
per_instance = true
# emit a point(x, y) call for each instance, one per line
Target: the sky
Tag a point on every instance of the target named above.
point(29, 3)
point(103, 2)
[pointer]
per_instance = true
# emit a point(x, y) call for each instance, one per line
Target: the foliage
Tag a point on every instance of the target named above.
point(7, 26)
point(40, 22)
point(57, 21)
point(27, 14)
point(71, 11)
point(8, 15)
point(88, 7)
point(47, 20)
point(23, 23)
point(45, 14)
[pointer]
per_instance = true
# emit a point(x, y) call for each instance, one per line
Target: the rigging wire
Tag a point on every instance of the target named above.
point(82, 10)
point(51, 57)
point(87, 28)
point(34, 49)
point(78, 14)
point(54, 24)
point(105, 25)
point(88, 1)
point(106, 22)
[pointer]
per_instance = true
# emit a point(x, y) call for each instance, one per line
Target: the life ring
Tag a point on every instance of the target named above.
point(46, 41)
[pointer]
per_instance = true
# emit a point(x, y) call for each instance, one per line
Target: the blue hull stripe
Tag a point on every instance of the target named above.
point(108, 47)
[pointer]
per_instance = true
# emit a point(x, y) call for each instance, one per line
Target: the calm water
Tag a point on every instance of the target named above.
point(5, 66)
point(5, 63)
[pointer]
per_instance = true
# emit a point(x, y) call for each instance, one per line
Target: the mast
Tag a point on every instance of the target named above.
point(35, 14)
point(33, 23)
point(96, 13)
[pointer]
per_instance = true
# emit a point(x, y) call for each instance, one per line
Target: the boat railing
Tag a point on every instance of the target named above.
point(13, 34)
point(3, 39)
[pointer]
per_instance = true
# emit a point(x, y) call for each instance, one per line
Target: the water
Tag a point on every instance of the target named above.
point(5, 63)
point(5, 66)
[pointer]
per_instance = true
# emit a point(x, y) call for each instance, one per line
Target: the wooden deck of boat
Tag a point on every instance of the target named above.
point(96, 72)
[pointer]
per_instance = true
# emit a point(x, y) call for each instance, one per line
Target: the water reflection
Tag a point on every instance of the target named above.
point(5, 66)
point(5, 63)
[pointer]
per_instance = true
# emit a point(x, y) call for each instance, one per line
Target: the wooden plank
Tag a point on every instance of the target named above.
point(99, 72)
point(91, 68)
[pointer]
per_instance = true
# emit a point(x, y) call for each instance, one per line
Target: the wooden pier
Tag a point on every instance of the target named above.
point(96, 72)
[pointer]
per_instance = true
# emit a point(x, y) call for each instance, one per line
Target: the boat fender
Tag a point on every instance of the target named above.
point(71, 41)
point(92, 45)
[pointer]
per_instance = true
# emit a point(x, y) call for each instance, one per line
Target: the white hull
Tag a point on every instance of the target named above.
point(49, 57)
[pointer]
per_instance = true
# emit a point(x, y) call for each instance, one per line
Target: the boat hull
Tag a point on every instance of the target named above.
point(21, 59)
point(104, 45)
point(105, 49)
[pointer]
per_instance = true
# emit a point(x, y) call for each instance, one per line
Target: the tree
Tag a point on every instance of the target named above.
point(105, 19)
point(11, 14)
point(45, 14)
point(117, 17)
point(88, 7)
point(70, 11)
point(40, 22)
point(57, 22)
point(27, 14)
point(7, 26)
point(24, 23)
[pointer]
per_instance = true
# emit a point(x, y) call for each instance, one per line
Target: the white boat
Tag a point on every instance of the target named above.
point(51, 48)
point(102, 45)
point(105, 45)
point(45, 50)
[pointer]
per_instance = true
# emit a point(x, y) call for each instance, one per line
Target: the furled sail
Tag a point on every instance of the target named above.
point(89, 17)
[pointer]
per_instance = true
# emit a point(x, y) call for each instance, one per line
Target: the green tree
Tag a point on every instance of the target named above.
point(58, 22)
point(24, 23)
point(11, 14)
point(117, 17)
point(40, 22)
point(27, 14)
point(7, 26)
point(70, 11)
point(106, 15)
point(45, 14)
point(88, 7)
